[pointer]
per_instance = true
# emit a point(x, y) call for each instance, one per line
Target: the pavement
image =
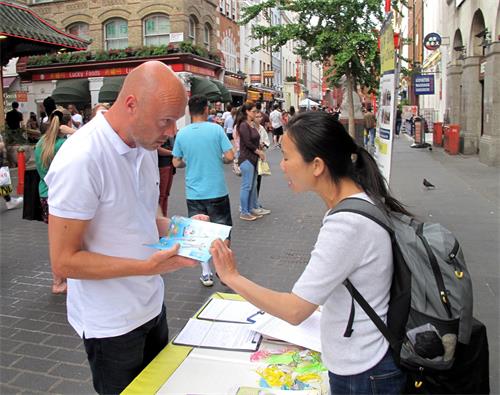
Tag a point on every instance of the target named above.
point(40, 352)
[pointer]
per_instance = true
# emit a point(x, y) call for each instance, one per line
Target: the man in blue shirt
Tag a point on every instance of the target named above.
point(203, 148)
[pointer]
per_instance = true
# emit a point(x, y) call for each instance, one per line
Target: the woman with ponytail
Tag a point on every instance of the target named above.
point(320, 156)
point(45, 150)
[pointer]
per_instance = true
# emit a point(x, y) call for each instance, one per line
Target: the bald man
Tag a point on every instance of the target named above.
point(103, 209)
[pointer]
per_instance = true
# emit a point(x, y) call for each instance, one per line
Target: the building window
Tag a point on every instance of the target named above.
point(229, 52)
point(156, 30)
point(233, 9)
point(206, 36)
point(79, 29)
point(192, 28)
point(116, 34)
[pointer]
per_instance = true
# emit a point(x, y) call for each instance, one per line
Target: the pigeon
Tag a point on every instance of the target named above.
point(428, 185)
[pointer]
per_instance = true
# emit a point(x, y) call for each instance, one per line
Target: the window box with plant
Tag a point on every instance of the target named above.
point(121, 54)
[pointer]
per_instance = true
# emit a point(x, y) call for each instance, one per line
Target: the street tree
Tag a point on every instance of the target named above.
point(342, 33)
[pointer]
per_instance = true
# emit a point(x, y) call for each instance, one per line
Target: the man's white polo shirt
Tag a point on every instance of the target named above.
point(95, 176)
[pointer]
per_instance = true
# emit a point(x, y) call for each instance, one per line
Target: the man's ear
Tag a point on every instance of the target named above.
point(319, 166)
point(131, 104)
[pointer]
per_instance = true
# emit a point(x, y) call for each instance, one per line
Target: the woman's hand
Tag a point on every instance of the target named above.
point(224, 261)
point(261, 154)
point(201, 217)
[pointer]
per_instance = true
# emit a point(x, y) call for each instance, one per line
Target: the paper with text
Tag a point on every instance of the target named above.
point(224, 335)
point(306, 334)
point(230, 311)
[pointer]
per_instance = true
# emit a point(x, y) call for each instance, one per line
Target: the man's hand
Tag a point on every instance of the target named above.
point(201, 217)
point(168, 261)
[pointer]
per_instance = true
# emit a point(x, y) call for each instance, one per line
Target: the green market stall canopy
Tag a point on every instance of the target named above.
point(225, 94)
point(111, 86)
point(72, 92)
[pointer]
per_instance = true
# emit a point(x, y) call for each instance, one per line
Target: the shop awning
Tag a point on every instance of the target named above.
point(226, 95)
point(110, 88)
point(204, 86)
point(7, 82)
point(72, 92)
point(28, 34)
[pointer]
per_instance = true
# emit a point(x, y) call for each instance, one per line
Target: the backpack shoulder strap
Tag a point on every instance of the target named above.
point(366, 209)
point(370, 211)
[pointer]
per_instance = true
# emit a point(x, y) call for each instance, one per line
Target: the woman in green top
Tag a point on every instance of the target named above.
point(45, 150)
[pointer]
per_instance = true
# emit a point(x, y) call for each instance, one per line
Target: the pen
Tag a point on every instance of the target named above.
point(251, 318)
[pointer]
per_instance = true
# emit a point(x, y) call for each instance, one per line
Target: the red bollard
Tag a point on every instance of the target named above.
point(437, 136)
point(21, 168)
point(454, 139)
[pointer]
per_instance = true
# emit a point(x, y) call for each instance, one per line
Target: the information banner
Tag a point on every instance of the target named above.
point(387, 100)
point(423, 84)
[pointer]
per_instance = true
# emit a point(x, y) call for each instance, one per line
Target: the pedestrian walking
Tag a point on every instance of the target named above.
point(14, 117)
point(75, 116)
point(277, 125)
point(250, 152)
point(45, 151)
point(103, 209)
point(6, 183)
point(266, 122)
point(167, 171)
point(370, 124)
point(399, 120)
point(49, 105)
point(203, 148)
point(320, 156)
point(226, 114)
point(264, 145)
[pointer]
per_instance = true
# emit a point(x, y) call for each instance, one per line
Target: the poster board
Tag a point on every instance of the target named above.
point(387, 100)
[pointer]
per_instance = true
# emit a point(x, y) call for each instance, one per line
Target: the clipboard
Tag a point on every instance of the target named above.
point(218, 335)
point(233, 311)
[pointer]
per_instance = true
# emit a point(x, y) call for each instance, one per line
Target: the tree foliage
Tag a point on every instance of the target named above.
point(340, 32)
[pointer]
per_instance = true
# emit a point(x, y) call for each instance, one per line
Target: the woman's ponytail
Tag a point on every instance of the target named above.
point(367, 174)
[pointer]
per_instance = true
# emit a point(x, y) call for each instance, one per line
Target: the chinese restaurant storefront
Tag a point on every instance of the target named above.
point(104, 79)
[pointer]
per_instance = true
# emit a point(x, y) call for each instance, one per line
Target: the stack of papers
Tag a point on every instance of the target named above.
point(230, 311)
point(306, 334)
point(220, 335)
point(238, 325)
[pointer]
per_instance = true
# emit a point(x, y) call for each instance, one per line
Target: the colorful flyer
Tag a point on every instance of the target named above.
point(195, 237)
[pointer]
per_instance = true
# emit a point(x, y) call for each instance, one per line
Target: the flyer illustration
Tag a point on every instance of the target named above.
point(195, 237)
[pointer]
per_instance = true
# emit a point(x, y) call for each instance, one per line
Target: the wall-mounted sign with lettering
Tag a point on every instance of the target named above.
point(432, 41)
point(423, 84)
point(176, 37)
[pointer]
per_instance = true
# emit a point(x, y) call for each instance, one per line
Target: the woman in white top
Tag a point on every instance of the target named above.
point(320, 156)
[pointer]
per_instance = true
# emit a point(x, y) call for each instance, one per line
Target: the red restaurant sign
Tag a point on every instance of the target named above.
point(63, 75)
point(111, 72)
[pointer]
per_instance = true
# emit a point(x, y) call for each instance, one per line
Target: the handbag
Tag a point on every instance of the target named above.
point(263, 168)
point(5, 181)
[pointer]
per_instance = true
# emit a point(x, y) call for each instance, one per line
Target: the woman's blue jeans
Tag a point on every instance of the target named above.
point(384, 378)
point(248, 190)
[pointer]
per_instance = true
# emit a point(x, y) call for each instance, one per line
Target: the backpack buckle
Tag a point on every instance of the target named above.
point(459, 274)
